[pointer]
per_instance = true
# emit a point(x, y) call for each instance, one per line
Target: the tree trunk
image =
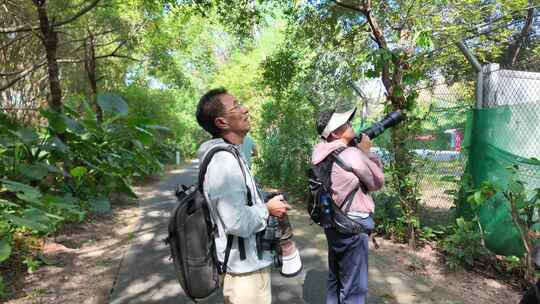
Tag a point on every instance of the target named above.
point(50, 42)
point(90, 67)
point(524, 230)
point(392, 79)
point(512, 53)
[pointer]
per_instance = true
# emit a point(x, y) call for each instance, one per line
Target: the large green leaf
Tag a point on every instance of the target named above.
point(73, 125)
point(100, 204)
point(112, 103)
point(6, 203)
point(35, 171)
point(56, 121)
point(55, 144)
point(5, 250)
point(27, 222)
point(144, 136)
point(27, 136)
point(21, 188)
point(78, 171)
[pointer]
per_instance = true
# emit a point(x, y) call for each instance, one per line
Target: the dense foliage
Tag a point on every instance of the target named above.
point(47, 181)
point(66, 144)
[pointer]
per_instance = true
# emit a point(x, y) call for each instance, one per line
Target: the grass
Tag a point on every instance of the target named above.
point(3, 289)
point(36, 293)
point(435, 180)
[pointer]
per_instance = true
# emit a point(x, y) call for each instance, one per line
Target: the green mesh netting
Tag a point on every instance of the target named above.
point(497, 138)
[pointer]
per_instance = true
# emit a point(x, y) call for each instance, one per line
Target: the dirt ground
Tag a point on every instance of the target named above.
point(84, 260)
point(426, 264)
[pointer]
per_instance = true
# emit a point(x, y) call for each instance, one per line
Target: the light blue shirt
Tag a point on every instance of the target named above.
point(247, 148)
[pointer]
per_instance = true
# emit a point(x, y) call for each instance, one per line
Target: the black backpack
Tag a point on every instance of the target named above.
point(321, 207)
point(191, 237)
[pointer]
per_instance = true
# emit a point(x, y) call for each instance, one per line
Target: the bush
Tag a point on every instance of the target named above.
point(463, 245)
point(59, 173)
point(173, 109)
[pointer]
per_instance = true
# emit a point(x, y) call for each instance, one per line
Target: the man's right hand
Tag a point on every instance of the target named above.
point(277, 206)
point(365, 144)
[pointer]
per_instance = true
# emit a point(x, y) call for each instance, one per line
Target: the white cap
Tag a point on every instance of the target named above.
point(336, 121)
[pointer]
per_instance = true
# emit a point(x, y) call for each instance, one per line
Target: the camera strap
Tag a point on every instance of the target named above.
point(241, 243)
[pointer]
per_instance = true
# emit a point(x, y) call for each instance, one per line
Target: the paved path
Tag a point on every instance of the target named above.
point(147, 276)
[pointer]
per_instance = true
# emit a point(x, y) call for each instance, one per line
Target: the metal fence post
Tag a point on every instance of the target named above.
point(480, 76)
point(490, 85)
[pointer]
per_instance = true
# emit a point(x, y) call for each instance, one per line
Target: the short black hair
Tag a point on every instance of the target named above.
point(208, 109)
point(322, 121)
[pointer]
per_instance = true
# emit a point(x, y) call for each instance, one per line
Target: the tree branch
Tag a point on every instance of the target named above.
point(77, 15)
point(29, 28)
point(111, 54)
point(23, 74)
point(514, 48)
point(21, 37)
point(349, 6)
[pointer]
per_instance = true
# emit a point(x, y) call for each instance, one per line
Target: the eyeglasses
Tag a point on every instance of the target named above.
point(235, 108)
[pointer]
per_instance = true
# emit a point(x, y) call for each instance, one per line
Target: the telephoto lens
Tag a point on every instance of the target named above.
point(291, 263)
point(379, 127)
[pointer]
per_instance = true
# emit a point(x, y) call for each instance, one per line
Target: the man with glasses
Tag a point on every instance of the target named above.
point(235, 203)
point(351, 191)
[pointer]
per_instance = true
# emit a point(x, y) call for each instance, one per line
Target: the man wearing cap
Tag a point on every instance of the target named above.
point(348, 254)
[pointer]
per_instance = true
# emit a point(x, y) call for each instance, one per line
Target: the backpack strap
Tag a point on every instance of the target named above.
point(202, 172)
point(347, 167)
point(223, 267)
point(334, 157)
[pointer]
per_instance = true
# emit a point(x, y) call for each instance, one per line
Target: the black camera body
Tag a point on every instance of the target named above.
point(379, 127)
point(277, 230)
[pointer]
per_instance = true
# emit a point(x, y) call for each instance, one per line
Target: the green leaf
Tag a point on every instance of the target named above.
point(27, 136)
point(424, 40)
point(5, 250)
point(516, 187)
point(28, 223)
point(138, 144)
point(144, 136)
point(78, 171)
point(6, 203)
point(21, 188)
point(100, 204)
point(478, 197)
point(158, 128)
point(73, 125)
point(112, 103)
point(124, 187)
point(372, 73)
point(55, 144)
point(35, 171)
point(56, 121)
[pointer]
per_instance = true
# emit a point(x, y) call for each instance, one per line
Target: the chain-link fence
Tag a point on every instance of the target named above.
point(505, 133)
point(438, 148)
point(504, 130)
point(439, 159)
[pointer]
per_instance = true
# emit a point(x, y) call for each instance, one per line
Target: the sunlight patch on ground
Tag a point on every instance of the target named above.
point(313, 252)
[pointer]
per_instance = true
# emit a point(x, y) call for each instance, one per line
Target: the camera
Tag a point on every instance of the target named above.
point(379, 127)
point(277, 237)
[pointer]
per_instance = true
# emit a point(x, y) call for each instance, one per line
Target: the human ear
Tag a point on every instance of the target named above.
point(221, 122)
